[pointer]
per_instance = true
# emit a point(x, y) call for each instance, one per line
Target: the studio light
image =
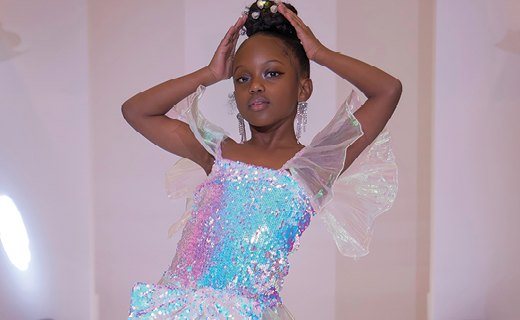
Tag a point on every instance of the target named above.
point(13, 234)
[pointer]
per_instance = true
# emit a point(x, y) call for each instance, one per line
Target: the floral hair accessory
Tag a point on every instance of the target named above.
point(274, 8)
point(255, 15)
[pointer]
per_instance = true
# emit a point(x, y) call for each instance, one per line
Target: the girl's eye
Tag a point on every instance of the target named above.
point(273, 74)
point(241, 79)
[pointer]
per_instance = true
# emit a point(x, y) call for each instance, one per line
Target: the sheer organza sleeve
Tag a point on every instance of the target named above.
point(181, 181)
point(348, 204)
point(207, 133)
point(186, 175)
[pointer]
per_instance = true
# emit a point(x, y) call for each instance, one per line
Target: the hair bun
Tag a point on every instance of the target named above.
point(264, 20)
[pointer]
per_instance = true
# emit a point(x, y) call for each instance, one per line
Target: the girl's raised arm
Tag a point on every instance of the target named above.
point(382, 90)
point(146, 111)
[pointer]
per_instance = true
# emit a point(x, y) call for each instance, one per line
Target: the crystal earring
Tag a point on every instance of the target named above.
point(232, 103)
point(241, 128)
point(301, 119)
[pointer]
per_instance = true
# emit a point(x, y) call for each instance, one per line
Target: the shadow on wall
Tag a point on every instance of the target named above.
point(510, 43)
point(8, 42)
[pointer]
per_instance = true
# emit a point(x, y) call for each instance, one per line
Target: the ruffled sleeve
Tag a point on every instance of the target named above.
point(207, 133)
point(186, 175)
point(348, 204)
point(181, 181)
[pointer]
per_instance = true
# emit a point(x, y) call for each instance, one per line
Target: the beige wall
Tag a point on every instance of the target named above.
point(65, 151)
point(475, 273)
point(392, 281)
point(44, 157)
point(133, 45)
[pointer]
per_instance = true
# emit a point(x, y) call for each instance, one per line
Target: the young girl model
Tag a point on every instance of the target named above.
point(258, 197)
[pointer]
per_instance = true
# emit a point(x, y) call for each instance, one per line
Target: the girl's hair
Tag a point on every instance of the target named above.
point(276, 25)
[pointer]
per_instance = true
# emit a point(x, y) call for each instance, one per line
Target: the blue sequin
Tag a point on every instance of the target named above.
point(233, 254)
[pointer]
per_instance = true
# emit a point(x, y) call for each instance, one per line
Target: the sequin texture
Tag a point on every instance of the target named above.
point(246, 221)
point(242, 221)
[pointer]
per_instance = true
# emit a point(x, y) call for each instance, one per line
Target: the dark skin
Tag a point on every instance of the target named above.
point(264, 73)
point(267, 91)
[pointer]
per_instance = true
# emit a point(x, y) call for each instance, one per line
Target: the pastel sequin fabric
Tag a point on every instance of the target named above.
point(246, 220)
point(243, 221)
point(347, 202)
point(165, 302)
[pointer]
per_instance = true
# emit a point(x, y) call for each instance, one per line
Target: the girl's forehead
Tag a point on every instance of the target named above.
point(262, 47)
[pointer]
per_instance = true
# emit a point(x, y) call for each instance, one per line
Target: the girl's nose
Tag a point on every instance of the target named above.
point(256, 86)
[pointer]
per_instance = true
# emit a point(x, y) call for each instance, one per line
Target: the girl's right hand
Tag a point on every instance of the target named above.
point(222, 62)
point(146, 111)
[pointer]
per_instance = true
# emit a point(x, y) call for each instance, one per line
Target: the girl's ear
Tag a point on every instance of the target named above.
point(305, 90)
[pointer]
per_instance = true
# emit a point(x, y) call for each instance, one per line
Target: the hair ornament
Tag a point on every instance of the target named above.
point(274, 8)
point(255, 15)
point(260, 4)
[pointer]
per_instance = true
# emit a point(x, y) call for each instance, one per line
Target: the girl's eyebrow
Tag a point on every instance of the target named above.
point(268, 61)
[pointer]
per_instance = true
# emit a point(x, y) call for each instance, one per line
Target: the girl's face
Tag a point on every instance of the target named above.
point(267, 88)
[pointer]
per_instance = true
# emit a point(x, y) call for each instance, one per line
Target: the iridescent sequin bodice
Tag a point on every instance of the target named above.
point(246, 220)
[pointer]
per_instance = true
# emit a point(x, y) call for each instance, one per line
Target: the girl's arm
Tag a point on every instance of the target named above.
point(382, 90)
point(146, 111)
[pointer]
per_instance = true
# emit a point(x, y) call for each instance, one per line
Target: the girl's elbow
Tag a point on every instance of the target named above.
point(396, 88)
point(394, 91)
point(128, 112)
point(130, 108)
point(125, 110)
point(390, 90)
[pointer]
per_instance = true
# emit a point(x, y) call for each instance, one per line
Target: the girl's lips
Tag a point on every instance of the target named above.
point(258, 106)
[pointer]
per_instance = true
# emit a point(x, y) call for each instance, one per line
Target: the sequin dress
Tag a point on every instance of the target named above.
point(243, 221)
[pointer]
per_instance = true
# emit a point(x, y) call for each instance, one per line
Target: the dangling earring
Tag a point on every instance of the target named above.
point(301, 119)
point(241, 125)
point(241, 128)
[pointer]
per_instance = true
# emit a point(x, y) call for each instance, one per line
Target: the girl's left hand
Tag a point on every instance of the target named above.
point(310, 43)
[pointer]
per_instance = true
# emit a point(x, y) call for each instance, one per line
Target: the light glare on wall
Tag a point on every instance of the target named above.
point(13, 234)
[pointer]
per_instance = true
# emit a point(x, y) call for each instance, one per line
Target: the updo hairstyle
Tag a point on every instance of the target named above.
point(274, 24)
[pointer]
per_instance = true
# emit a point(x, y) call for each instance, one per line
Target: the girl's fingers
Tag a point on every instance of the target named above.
point(240, 22)
point(288, 14)
point(234, 31)
point(309, 41)
point(293, 18)
point(228, 36)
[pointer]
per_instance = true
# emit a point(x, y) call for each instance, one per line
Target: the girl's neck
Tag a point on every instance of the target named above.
point(277, 136)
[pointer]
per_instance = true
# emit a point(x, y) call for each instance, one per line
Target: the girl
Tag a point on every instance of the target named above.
point(247, 214)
